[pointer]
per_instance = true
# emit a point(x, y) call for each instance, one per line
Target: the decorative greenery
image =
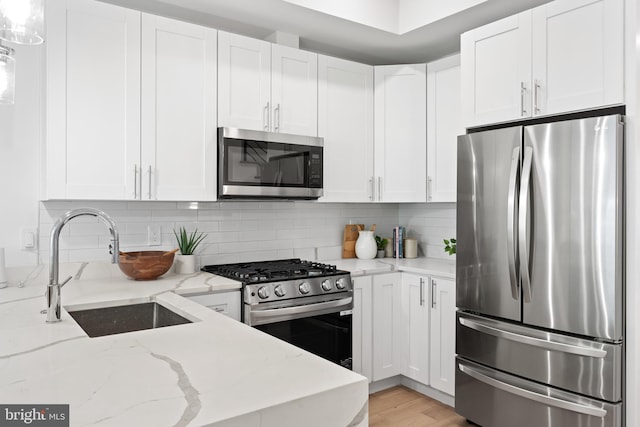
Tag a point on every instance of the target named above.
point(450, 246)
point(188, 242)
point(381, 242)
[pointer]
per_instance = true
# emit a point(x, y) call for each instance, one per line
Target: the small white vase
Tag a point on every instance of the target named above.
point(366, 245)
point(185, 264)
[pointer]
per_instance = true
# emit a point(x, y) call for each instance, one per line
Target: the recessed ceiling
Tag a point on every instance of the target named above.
point(370, 31)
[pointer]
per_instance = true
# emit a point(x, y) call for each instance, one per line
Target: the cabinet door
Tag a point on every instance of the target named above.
point(362, 357)
point(416, 327)
point(345, 121)
point(294, 91)
point(387, 321)
point(178, 110)
point(93, 100)
point(444, 124)
point(578, 55)
point(496, 71)
point(443, 335)
point(227, 303)
point(244, 82)
point(400, 133)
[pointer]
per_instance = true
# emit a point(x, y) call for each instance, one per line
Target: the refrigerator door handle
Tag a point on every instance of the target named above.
point(523, 242)
point(536, 342)
point(511, 219)
point(545, 400)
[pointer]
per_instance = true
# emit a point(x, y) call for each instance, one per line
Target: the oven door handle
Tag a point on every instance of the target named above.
point(301, 309)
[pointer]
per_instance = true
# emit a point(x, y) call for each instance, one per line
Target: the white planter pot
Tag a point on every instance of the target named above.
point(185, 264)
point(366, 245)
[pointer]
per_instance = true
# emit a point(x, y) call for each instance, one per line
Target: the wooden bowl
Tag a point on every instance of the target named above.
point(146, 265)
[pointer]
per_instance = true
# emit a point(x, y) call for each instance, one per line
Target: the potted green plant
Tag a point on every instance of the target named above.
point(381, 243)
point(450, 246)
point(185, 261)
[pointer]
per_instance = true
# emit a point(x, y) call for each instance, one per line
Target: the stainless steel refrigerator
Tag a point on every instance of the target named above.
point(539, 275)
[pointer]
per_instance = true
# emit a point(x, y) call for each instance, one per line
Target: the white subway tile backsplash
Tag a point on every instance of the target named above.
point(244, 231)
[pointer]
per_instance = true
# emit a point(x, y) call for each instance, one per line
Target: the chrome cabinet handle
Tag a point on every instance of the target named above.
point(379, 188)
point(429, 188)
point(433, 293)
point(135, 181)
point(421, 292)
point(371, 184)
point(532, 395)
point(149, 193)
point(276, 119)
point(536, 88)
point(533, 341)
point(265, 117)
point(523, 242)
point(523, 90)
point(512, 213)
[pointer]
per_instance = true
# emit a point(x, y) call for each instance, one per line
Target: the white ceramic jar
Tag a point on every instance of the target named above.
point(366, 245)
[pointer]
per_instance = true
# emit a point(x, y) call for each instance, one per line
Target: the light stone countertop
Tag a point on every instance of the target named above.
point(215, 371)
point(427, 266)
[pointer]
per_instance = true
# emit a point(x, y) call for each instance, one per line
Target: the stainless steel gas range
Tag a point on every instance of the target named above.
point(307, 304)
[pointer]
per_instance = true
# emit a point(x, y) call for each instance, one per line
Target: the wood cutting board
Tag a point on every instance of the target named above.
point(349, 240)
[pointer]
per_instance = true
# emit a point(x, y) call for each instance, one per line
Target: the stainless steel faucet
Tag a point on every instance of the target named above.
point(53, 288)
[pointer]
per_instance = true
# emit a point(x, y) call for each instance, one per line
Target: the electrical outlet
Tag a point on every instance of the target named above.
point(154, 235)
point(29, 238)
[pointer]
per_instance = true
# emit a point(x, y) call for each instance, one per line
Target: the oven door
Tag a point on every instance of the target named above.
point(268, 164)
point(323, 328)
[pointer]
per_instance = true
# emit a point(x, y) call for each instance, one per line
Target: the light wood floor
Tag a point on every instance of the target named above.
point(402, 407)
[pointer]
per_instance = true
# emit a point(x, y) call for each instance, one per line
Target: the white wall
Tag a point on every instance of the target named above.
point(430, 224)
point(20, 133)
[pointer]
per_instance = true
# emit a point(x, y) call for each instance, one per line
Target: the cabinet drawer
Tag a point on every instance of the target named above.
point(227, 303)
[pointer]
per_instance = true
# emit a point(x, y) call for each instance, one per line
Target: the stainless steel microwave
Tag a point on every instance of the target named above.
point(255, 164)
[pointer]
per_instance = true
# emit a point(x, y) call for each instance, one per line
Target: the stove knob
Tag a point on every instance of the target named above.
point(263, 292)
point(304, 288)
point(326, 285)
point(341, 283)
point(279, 291)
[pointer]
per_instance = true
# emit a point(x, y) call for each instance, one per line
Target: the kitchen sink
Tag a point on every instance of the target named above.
point(98, 322)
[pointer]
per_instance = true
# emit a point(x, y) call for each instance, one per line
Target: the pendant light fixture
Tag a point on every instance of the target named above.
point(21, 21)
point(7, 75)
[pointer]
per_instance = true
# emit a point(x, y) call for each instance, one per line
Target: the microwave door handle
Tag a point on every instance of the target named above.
point(523, 242)
point(302, 309)
point(512, 213)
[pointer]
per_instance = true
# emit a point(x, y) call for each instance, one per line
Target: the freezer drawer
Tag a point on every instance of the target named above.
point(494, 399)
point(579, 365)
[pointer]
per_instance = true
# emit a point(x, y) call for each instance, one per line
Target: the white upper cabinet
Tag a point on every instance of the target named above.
point(578, 58)
point(266, 87)
point(345, 121)
point(294, 90)
point(444, 124)
point(93, 100)
point(563, 56)
point(496, 70)
point(178, 160)
point(400, 133)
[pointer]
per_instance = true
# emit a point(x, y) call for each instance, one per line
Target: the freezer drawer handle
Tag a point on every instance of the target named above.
point(536, 342)
point(546, 400)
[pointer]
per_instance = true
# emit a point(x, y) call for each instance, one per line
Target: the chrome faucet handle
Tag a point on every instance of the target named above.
point(66, 281)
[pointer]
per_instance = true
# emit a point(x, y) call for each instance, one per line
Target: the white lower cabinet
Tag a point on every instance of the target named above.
point(442, 334)
point(415, 327)
point(227, 303)
point(361, 332)
point(387, 323)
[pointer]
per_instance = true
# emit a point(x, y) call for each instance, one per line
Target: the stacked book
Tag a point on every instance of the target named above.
point(399, 233)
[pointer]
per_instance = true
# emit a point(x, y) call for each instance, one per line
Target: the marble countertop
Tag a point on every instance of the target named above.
point(428, 266)
point(214, 371)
